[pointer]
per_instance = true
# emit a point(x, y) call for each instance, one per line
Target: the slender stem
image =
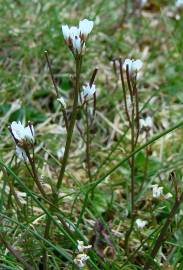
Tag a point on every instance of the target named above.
point(132, 166)
point(71, 124)
point(80, 131)
point(129, 83)
point(132, 159)
point(15, 195)
point(93, 77)
point(51, 73)
point(94, 95)
point(28, 169)
point(135, 91)
point(88, 145)
point(65, 157)
point(145, 163)
point(134, 127)
point(163, 232)
point(34, 171)
point(124, 91)
point(46, 236)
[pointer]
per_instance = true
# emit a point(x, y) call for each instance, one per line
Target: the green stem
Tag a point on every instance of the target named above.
point(88, 145)
point(71, 125)
point(132, 166)
point(34, 173)
point(66, 155)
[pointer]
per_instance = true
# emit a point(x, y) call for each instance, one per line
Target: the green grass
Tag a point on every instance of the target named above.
point(28, 28)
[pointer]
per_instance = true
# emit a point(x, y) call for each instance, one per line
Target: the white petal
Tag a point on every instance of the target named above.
point(85, 27)
point(168, 196)
point(66, 31)
point(74, 32)
point(128, 62)
point(149, 122)
point(88, 91)
point(141, 223)
point(137, 65)
point(18, 130)
point(142, 123)
point(77, 44)
point(29, 134)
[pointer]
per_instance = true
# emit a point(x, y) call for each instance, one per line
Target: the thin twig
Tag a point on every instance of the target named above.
point(88, 145)
point(51, 73)
point(34, 172)
point(92, 80)
point(124, 91)
point(93, 77)
point(129, 83)
point(66, 154)
point(71, 124)
point(135, 91)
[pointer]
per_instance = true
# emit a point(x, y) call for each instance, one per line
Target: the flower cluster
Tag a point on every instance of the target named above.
point(158, 192)
point(146, 123)
point(141, 223)
point(88, 91)
point(81, 258)
point(75, 37)
point(23, 137)
point(21, 134)
point(132, 65)
point(81, 246)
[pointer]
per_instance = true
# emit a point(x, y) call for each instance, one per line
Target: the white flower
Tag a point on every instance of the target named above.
point(70, 33)
point(81, 246)
point(60, 152)
point(143, 3)
point(77, 44)
point(74, 32)
point(137, 65)
point(141, 223)
point(85, 27)
point(168, 196)
point(75, 36)
point(157, 191)
point(29, 133)
point(88, 91)
point(66, 32)
point(20, 153)
point(21, 133)
point(133, 65)
point(179, 3)
point(62, 102)
point(146, 123)
point(128, 62)
point(80, 260)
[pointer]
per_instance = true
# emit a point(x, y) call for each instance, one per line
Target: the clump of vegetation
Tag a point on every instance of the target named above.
point(91, 135)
